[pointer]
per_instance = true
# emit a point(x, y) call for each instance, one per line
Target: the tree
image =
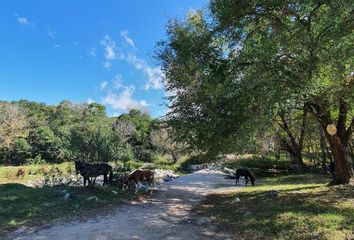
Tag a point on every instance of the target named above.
point(229, 73)
point(13, 126)
point(162, 140)
point(47, 145)
point(307, 48)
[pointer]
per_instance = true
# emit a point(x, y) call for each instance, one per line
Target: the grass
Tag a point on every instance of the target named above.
point(21, 205)
point(8, 174)
point(307, 208)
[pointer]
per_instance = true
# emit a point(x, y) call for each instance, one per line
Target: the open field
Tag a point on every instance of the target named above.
point(306, 208)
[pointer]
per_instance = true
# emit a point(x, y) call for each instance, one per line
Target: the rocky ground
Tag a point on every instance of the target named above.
point(166, 215)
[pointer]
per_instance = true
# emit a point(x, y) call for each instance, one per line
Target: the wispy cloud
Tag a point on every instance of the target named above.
point(89, 101)
point(92, 52)
point(110, 51)
point(117, 82)
point(24, 21)
point(124, 101)
point(104, 85)
point(154, 74)
point(51, 33)
point(127, 39)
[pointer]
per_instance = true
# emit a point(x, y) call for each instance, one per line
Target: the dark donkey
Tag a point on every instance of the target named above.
point(94, 170)
point(246, 174)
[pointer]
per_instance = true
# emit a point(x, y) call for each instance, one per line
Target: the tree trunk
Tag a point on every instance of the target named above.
point(343, 171)
point(323, 152)
point(338, 142)
point(295, 153)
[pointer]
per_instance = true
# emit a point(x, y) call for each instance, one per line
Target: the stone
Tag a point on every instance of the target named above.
point(92, 198)
point(247, 213)
point(203, 220)
point(64, 192)
point(273, 193)
point(236, 200)
point(67, 196)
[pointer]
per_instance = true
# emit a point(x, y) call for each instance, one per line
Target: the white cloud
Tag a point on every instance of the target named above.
point(124, 100)
point(127, 39)
point(56, 45)
point(24, 21)
point(89, 101)
point(104, 85)
point(51, 33)
point(117, 82)
point(154, 74)
point(107, 64)
point(92, 52)
point(109, 51)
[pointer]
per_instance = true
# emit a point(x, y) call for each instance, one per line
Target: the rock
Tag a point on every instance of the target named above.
point(20, 230)
point(93, 198)
point(228, 171)
point(166, 175)
point(64, 192)
point(203, 220)
point(236, 200)
point(247, 213)
point(67, 196)
point(148, 166)
point(46, 204)
point(273, 193)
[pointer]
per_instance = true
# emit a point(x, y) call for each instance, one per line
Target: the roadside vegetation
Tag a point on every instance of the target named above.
point(304, 207)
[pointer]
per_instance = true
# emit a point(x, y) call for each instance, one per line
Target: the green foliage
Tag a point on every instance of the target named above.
point(231, 72)
point(259, 164)
point(21, 152)
point(47, 145)
point(68, 131)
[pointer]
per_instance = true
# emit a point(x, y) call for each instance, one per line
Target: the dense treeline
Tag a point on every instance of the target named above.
point(278, 70)
point(33, 132)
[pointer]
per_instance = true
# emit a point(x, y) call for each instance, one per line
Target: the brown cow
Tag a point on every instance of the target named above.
point(140, 176)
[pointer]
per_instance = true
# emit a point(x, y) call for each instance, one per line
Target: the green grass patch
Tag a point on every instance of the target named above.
point(8, 174)
point(307, 208)
point(21, 205)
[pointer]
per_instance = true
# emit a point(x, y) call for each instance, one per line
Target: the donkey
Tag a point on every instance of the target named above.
point(139, 176)
point(246, 174)
point(94, 170)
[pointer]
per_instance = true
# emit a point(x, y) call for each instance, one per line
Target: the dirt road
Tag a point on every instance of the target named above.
point(167, 215)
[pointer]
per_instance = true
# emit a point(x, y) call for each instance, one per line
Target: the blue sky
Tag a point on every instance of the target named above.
point(86, 51)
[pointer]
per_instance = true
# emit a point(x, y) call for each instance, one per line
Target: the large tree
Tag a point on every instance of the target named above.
point(229, 73)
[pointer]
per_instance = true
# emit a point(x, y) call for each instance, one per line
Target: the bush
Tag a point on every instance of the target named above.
point(145, 155)
point(259, 163)
point(132, 165)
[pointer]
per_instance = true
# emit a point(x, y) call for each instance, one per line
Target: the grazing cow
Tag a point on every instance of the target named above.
point(94, 170)
point(20, 172)
point(246, 174)
point(139, 176)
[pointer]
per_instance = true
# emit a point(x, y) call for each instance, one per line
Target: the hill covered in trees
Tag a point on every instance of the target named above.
point(32, 132)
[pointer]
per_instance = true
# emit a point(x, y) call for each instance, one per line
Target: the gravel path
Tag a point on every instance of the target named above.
point(166, 215)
